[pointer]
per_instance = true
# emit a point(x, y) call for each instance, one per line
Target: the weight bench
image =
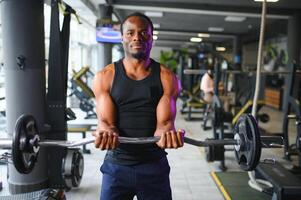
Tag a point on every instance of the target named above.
point(197, 104)
point(80, 128)
point(191, 99)
point(286, 185)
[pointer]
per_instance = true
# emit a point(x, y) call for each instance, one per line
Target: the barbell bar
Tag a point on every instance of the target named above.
point(26, 143)
point(125, 140)
point(203, 71)
point(6, 143)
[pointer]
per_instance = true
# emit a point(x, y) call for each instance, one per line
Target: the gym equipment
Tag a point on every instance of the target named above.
point(222, 121)
point(26, 144)
point(202, 71)
point(192, 99)
point(191, 93)
point(248, 143)
point(292, 106)
point(214, 153)
point(45, 194)
point(285, 184)
point(83, 92)
point(73, 168)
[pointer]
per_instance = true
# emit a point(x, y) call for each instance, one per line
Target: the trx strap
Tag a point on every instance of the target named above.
point(57, 91)
point(58, 55)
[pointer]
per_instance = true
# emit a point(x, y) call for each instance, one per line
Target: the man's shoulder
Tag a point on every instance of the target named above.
point(106, 74)
point(165, 71)
point(169, 81)
point(107, 71)
point(104, 77)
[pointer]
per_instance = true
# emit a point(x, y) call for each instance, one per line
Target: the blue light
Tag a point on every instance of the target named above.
point(201, 55)
point(108, 34)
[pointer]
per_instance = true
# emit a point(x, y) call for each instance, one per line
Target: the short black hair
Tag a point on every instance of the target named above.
point(140, 15)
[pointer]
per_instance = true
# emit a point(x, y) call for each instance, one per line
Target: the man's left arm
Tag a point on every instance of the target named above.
point(166, 112)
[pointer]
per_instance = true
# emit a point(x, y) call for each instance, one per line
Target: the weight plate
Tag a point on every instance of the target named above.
point(73, 168)
point(78, 168)
point(24, 154)
point(249, 151)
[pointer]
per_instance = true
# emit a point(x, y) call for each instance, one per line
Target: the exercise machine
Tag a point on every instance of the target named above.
point(223, 121)
point(83, 92)
point(286, 184)
point(58, 168)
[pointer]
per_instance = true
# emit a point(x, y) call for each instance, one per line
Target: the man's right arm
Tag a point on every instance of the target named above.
point(106, 136)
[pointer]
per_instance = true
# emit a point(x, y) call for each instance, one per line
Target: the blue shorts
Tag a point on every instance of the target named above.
point(148, 181)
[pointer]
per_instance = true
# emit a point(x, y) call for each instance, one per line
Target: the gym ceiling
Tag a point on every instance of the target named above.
point(179, 20)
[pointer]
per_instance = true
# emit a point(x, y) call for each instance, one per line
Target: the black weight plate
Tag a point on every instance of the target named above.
point(248, 155)
point(77, 168)
point(23, 155)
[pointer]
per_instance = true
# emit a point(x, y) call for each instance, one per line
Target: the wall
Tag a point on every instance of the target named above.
point(155, 53)
point(250, 51)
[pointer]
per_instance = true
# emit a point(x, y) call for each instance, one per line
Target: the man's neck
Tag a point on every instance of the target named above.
point(136, 63)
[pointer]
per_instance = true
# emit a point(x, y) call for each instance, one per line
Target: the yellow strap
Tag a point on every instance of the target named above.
point(220, 186)
point(62, 8)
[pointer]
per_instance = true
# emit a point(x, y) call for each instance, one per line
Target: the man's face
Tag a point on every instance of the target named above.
point(137, 37)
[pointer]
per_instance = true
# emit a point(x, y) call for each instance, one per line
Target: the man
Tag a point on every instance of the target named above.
point(207, 87)
point(136, 97)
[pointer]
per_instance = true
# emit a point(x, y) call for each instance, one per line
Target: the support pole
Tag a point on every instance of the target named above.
point(237, 52)
point(24, 63)
point(104, 49)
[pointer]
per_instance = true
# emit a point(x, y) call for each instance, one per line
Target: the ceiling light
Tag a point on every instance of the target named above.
point(155, 32)
point(267, 0)
point(156, 25)
point(216, 29)
point(153, 13)
point(220, 48)
point(235, 18)
point(195, 39)
point(203, 35)
point(155, 37)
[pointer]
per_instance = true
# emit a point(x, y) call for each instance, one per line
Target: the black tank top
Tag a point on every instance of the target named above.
point(136, 102)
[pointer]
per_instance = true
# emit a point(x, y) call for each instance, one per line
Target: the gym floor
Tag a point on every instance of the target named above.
point(190, 173)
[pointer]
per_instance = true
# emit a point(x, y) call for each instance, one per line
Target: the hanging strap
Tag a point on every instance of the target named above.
point(65, 36)
point(55, 75)
point(58, 70)
point(58, 54)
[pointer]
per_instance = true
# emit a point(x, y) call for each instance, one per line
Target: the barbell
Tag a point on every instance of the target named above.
point(26, 143)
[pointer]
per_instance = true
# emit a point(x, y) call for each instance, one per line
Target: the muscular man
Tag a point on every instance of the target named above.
point(136, 97)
